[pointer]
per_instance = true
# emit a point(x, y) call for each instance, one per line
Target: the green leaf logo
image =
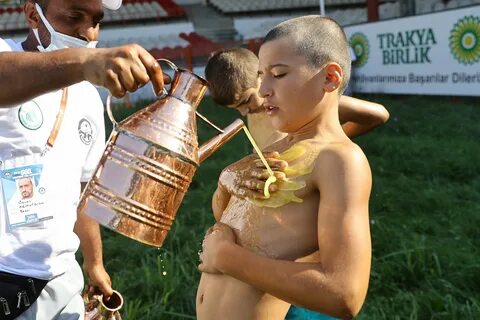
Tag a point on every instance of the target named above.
point(465, 40)
point(30, 115)
point(359, 43)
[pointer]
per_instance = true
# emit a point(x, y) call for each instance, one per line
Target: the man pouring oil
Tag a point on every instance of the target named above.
point(52, 132)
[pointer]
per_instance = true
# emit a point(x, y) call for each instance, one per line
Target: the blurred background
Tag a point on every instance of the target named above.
point(419, 58)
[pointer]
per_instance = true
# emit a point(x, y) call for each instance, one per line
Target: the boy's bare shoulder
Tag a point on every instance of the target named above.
point(338, 159)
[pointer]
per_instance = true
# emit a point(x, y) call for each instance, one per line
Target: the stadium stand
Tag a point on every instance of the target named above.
point(131, 12)
point(227, 6)
point(251, 28)
point(144, 11)
point(201, 46)
point(427, 6)
point(254, 27)
point(389, 10)
point(148, 36)
point(349, 15)
point(11, 18)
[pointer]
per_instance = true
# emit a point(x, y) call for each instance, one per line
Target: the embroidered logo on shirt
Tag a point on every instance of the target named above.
point(85, 131)
point(30, 115)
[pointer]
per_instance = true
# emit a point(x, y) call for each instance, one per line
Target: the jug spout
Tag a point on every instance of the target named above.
point(216, 142)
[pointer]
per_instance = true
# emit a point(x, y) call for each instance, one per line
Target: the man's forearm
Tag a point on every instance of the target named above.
point(88, 232)
point(26, 75)
point(303, 284)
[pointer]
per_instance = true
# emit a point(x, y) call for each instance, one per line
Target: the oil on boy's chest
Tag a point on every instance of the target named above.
point(287, 232)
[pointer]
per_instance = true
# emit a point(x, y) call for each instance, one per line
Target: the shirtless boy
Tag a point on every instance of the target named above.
point(249, 259)
point(234, 82)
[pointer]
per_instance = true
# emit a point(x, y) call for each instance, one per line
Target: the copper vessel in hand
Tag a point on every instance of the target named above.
point(149, 162)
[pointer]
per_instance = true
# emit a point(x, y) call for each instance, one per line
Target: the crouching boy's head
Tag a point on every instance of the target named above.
point(304, 67)
point(233, 79)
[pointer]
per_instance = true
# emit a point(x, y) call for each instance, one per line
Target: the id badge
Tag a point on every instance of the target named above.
point(23, 192)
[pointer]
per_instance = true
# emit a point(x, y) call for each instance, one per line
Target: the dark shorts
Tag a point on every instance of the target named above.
point(297, 313)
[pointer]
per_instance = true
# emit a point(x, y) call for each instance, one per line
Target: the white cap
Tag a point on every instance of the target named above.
point(112, 4)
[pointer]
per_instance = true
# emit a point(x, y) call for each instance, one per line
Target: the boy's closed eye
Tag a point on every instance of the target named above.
point(276, 71)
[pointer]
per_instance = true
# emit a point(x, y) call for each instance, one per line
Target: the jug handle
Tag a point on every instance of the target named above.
point(164, 93)
point(174, 68)
point(109, 110)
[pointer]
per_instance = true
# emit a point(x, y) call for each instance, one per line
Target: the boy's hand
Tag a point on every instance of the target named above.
point(246, 178)
point(217, 237)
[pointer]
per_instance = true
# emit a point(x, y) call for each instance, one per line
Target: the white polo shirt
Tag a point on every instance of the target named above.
point(46, 252)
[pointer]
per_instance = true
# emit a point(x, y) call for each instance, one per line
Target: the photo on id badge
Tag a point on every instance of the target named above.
point(24, 198)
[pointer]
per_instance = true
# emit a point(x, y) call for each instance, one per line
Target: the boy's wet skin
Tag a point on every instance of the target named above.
point(288, 233)
point(276, 217)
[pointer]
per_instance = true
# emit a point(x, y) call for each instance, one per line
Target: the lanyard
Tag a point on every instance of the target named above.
point(58, 122)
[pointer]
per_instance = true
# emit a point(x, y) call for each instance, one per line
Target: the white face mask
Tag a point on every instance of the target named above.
point(59, 40)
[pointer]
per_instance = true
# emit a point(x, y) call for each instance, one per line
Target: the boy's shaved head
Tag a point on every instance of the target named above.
point(230, 73)
point(319, 39)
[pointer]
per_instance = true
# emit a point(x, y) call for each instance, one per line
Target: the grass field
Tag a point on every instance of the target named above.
point(424, 213)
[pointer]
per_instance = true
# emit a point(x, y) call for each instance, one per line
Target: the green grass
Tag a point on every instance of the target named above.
point(424, 211)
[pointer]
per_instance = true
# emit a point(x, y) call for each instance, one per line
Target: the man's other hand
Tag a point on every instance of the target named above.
point(99, 278)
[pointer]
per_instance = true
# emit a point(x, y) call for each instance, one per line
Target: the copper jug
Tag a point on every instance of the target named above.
point(97, 309)
point(149, 162)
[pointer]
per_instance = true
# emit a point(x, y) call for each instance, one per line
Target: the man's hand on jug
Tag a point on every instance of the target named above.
point(123, 69)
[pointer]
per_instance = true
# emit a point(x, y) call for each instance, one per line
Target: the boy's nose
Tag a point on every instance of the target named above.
point(264, 91)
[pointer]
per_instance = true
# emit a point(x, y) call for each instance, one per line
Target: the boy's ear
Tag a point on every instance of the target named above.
point(333, 77)
point(31, 14)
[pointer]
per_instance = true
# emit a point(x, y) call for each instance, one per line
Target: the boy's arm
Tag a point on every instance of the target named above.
point(360, 116)
point(336, 285)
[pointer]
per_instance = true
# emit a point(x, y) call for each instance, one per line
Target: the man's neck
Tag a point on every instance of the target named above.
point(30, 44)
